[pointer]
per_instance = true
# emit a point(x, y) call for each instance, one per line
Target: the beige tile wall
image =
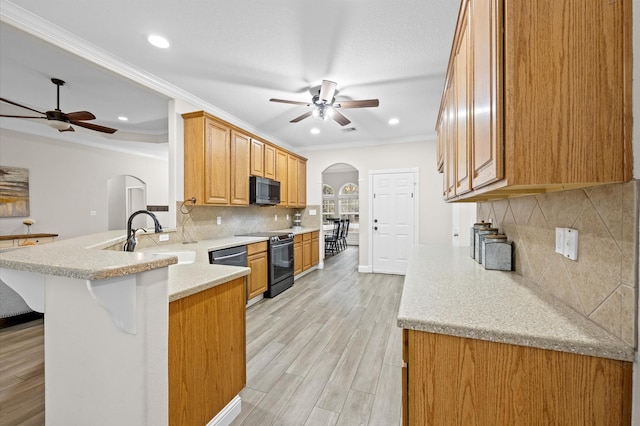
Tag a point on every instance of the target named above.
point(602, 283)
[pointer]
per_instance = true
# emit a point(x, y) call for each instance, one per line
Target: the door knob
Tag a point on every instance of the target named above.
point(375, 220)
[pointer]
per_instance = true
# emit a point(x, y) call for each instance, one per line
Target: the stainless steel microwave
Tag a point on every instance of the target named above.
point(263, 191)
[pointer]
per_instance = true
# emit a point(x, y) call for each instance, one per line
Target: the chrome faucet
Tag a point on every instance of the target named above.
point(130, 245)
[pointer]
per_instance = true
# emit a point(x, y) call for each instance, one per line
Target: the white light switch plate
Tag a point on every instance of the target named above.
point(163, 237)
point(560, 240)
point(312, 212)
point(571, 244)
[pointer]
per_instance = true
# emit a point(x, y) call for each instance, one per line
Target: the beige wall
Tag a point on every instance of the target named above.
point(601, 285)
point(435, 220)
point(68, 180)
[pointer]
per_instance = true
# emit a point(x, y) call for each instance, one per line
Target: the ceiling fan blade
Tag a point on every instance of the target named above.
point(367, 103)
point(284, 101)
point(340, 118)
point(302, 117)
point(80, 115)
point(20, 116)
point(21, 106)
point(95, 127)
point(327, 90)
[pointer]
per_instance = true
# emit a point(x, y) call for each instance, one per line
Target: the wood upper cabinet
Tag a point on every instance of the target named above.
point(456, 380)
point(282, 176)
point(548, 97)
point(240, 159)
point(296, 181)
point(463, 117)
point(257, 281)
point(219, 158)
point(292, 181)
point(257, 158)
point(269, 161)
point(207, 156)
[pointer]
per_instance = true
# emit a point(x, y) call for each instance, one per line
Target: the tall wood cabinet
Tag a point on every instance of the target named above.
point(240, 159)
point(537, 98)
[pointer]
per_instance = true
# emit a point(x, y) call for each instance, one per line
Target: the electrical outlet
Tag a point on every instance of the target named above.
point(275, 217)
point(287, 216)
point(92, 212)
point(163, 237)
point(219, 220)
point(312, 212)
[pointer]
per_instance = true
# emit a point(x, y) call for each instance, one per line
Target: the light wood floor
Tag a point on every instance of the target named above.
point(325, 352)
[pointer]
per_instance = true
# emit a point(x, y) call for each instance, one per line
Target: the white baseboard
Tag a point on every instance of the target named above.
point(228, 413)
point(320, 265)
point(365, 269)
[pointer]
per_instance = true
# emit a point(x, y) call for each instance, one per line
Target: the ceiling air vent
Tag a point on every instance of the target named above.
point(349, 129)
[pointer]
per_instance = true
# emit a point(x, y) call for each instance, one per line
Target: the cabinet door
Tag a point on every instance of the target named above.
point(449, 153)
point(297, 258)
point(462, 72)
point(217, 156)
point(240, 154)
point(302, 183)
point(292, 179)
point(269, 161)
point(306, 251)
point(257, 280)
point(315, 248)
point(257, 158)
point(206, 350)
point(486, 42)
point(282, 176)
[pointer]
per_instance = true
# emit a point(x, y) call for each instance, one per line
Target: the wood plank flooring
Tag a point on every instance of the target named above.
point(325, 352)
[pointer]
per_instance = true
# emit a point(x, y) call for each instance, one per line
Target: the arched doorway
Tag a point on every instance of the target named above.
point(341, 198)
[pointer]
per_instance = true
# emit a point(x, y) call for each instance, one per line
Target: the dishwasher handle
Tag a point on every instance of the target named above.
point(229, 256)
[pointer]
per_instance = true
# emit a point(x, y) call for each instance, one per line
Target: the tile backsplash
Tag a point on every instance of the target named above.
point(602, 284)
point(200, 222)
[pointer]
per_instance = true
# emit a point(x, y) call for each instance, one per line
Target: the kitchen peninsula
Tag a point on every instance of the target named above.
point(117, 326)
point(486, 347)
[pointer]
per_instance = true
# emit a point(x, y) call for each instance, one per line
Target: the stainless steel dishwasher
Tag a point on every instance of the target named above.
point(233, 256)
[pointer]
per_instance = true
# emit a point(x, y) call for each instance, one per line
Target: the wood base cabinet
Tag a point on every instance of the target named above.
point(460, 381)
point(257, 281)
point(306, 251)
point(207, 352)
point(537, 98)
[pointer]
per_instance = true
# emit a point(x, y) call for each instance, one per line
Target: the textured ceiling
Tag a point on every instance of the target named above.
point(235, 55)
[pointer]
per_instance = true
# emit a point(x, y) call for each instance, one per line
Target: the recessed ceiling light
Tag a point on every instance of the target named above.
point(315, 131)
point(123, 118)
point(158, 41)
point(393, 121)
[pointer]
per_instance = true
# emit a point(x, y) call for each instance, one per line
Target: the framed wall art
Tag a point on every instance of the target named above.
point(14, 192)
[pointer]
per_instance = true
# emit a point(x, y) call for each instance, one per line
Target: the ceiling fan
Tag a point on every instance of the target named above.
point(324, 104)
point(60, 120)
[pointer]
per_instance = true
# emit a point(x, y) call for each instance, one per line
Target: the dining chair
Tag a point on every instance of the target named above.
point(331, 241)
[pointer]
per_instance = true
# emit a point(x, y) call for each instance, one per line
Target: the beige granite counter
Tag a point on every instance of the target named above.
point(447, 292)
point(84, 258)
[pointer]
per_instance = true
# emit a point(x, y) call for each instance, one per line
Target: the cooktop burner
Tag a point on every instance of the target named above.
point(272, 235)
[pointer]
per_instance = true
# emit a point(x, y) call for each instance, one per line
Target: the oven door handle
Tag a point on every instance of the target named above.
point(242, 253)
point(288, 243)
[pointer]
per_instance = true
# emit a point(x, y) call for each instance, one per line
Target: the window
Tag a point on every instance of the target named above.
point(328, 201)
point(349, 199)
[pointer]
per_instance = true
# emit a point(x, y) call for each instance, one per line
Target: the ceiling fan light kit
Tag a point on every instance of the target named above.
point(324, 105)
point(60, 120)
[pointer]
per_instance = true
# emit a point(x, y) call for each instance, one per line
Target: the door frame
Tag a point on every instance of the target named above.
point(416, 209)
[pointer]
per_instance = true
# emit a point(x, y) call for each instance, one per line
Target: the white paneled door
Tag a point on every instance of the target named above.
point(393, 221)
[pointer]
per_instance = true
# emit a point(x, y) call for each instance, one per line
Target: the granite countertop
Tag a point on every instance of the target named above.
point(447, 292)
point(85, 258)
